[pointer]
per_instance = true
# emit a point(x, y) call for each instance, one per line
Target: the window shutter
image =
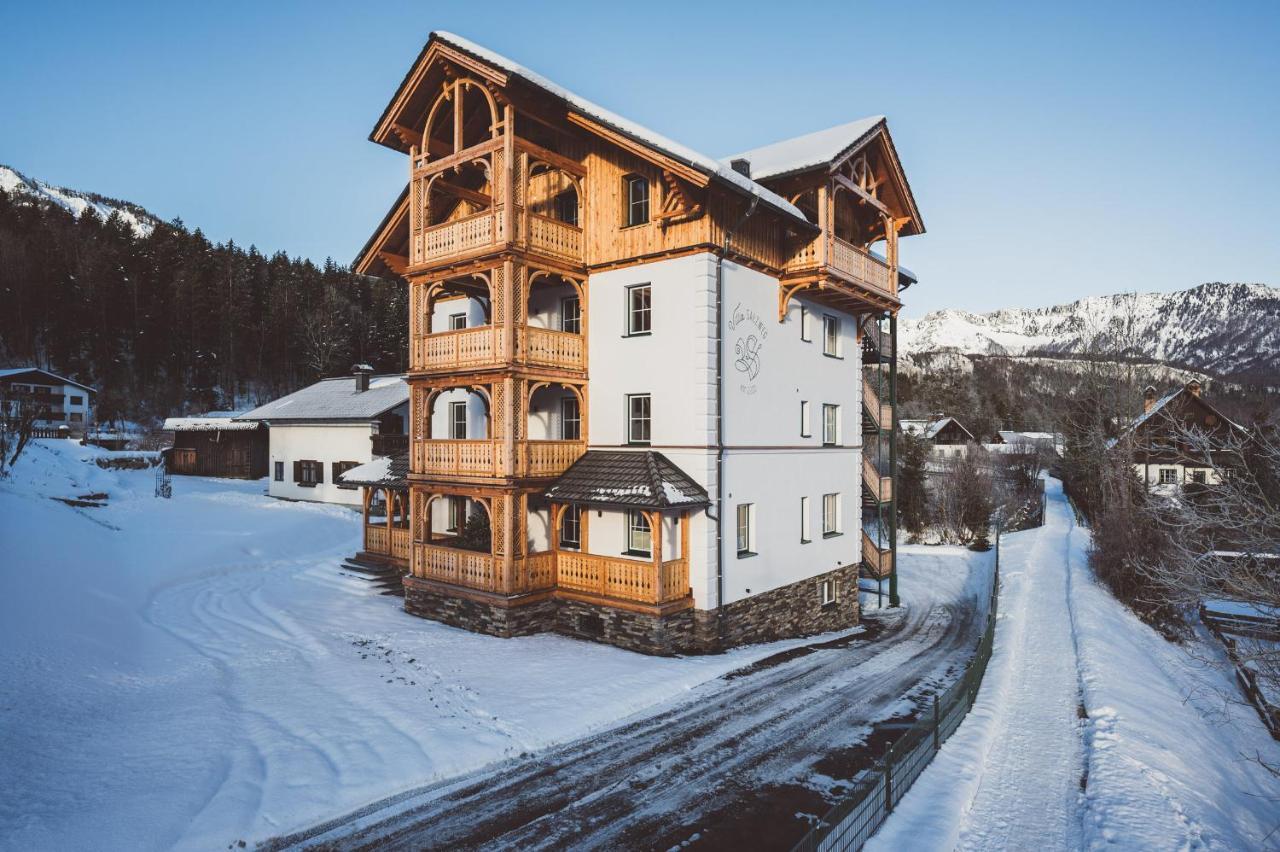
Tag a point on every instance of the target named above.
point(319, 472)
point(337, 471)
point(297, 471)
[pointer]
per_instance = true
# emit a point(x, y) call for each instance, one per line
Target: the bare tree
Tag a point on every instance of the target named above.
point(961, 504)
point(17, 422)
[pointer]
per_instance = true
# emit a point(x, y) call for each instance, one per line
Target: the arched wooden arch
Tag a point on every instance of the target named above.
point(436, 287)
point(573, 282)
point(453, 94)
point(534, 387)
point(486, 502)
point(535, 165)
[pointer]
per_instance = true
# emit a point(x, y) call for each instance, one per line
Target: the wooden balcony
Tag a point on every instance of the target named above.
point(393, 542)
point(486, 459)
point(830, 256)
point(615, 578)
point(879, 487)
point(877, 562)
point(879, 413)
point(484, 347)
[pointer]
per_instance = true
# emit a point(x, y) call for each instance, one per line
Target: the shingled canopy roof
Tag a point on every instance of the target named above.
point(382, 472)
point(627, 480)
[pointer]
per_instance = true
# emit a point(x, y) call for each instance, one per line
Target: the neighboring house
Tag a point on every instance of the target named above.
point(947, 437)
point(1159, 457)
point(321, 431)
point(216, 444)
point(62, 402)
point(1052, 441)
point(723, 477)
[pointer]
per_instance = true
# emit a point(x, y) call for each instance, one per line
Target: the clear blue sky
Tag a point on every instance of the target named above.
point(1056, 150)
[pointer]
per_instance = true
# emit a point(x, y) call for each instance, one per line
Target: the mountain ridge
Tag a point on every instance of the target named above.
point(1221, 328)
point(76, 202)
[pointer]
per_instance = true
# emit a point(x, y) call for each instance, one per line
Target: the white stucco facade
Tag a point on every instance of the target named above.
point(772, 458)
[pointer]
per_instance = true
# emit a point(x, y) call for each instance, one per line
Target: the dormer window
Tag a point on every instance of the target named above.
point(636, 189)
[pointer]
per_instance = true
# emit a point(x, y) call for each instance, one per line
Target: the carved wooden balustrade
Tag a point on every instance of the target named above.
point(484, 347)
point(847, 260)
point(486, 458)
point(602, 576)
point(394, 542)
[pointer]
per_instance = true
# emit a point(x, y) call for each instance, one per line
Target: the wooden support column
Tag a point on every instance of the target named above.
point(508, 539)
point(684, 536)
point(391, 513)
point(659, 586)
point(508, 171)
point(557, 509)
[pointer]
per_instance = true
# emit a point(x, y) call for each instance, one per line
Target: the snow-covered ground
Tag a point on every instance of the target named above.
point(196, 671)
point(1090, 730)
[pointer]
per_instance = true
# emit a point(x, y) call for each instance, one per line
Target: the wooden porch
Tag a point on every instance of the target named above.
point(392, 542)
point(608, 578)
point(486, 347)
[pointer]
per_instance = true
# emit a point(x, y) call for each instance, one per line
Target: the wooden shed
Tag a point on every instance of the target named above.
point(214, 444)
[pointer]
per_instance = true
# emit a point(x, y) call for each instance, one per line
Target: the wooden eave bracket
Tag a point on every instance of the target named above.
point(397, 263)
point(679, 203)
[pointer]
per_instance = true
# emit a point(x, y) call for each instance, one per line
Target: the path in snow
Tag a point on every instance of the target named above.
point(734, 765)
point(1163, 757)
point(1031, 778)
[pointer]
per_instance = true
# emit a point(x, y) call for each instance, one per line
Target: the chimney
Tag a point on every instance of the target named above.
point(362, 372)
point(1148, 398)
point(1193, 387)
point(741, 166)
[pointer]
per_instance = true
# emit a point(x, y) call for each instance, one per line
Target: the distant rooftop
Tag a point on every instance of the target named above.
point(335, 400)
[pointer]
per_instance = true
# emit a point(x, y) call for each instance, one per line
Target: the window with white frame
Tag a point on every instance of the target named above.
point(830, 336)
point(805, 430)
point(830, 424)
point(639, 412)
point(804, 520)
point(570, 419)
point(458, 421)
point(639, 535)
point(830, 514)
point(829, 592)
point(746, 529)
point(571, 315)
point(636, 189)
point(571, 527)
point(1168, 476)
point(806, 330)
point(457, 321)
point(1198, 476)
point(456, 516)
point(639, 309)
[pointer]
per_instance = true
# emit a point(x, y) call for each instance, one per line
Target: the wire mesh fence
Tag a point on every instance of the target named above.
point(852, 821)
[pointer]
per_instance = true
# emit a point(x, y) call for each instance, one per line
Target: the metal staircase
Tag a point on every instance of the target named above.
point(879, 450)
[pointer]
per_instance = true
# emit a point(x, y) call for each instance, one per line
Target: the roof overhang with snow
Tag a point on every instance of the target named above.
point(31, 374)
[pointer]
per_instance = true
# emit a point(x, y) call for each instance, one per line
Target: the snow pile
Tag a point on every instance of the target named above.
point(1090, 730)
point(14, 182)
point(196, 671)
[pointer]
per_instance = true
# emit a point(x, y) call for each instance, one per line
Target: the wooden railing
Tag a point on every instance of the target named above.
point(482, 346)
point(881, 487)
point(625, 579)
point(879, 562)
point(553, 237)
point(861, 266)
point(547, 347)
point(375, 538)
point(881, 413)
point(445, 456)
point(400, 543)
point(847, 259)
point(389, 445)
point(460, 567)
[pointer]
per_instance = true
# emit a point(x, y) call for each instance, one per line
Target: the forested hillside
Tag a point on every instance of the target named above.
point(163, 321)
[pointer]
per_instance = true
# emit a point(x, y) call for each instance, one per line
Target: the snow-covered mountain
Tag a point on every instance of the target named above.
point(16, 183)
point(1223, 329)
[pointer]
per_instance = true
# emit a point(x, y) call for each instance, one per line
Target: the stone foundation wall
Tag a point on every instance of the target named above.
point(784, 613)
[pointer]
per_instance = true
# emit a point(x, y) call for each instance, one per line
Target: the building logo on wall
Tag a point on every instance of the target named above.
point(751, 331)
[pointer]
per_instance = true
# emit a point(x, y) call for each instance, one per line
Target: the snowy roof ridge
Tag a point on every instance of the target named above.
point(805, 152)
point(220, 421)
point(1159, 406)
point(335, 399)
point(14, 371)
point(670, 147)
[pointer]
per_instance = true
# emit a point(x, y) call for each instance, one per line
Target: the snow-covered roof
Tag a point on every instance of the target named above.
point(383, 471)
point(1012, 437)
point(806, 152)
point(1158, 407)
point(629, 479)
point(717, 169)
point(52, 378)
point(336, 400)
point(213, 421)
point(930, 428)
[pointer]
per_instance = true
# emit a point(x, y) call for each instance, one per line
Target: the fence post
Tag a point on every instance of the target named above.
point(888, 781)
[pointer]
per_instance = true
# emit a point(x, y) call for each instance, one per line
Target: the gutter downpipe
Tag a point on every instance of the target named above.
point(719, 515)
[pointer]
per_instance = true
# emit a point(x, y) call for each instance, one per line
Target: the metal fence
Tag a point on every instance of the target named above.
point(851, 822)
